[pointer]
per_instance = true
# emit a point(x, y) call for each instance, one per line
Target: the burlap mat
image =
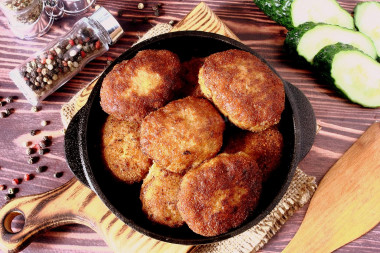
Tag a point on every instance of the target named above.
point(299, 193)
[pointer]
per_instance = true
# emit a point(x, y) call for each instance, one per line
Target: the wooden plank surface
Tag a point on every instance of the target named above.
point(342, 122)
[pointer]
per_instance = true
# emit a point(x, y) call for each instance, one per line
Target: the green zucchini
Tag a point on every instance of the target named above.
point(307, 39)
point(292, 13)
point(367, 20)
point(350, 71)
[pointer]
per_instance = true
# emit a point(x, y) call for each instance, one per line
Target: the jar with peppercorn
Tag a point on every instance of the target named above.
point(47, 70)
point(26, 18)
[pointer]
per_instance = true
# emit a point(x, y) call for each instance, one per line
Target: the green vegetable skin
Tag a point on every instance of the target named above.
point(350, 71)
point(367, 20)
point(292, 13)
point(306, 40)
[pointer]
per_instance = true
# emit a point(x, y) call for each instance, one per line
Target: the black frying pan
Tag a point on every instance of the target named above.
point(83, 153)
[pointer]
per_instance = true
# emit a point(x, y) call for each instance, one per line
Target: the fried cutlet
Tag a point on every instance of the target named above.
point(121, 150)
point(159, 196)
point(243, 88)
point(135, 87)
point(190, 71)
point(182, 134)
point(220, 194)
point(264, 147)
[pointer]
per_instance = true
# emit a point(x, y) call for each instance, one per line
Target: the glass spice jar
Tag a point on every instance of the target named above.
point(47, 70)
point(26, 18)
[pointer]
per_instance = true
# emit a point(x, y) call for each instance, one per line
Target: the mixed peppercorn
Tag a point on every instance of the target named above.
point(41, 148)
point(51, 67)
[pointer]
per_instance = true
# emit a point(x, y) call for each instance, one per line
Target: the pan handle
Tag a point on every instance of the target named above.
point(72, 153)
point(306, 120)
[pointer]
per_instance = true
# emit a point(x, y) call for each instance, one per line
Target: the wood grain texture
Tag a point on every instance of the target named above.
point(346, 204)
point(342, 122)
point(74, 203)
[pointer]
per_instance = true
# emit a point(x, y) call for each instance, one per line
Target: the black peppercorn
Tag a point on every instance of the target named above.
point(41, 169)
point(8, 111)
point(9, 99)
point(2, 115)
point(58, 174)
point(33, 132)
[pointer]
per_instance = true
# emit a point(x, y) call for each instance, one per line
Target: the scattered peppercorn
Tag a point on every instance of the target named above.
point(58, 174)
point(9, 111)
point(140, 6)
point(3, 187)
point(9, 99)
point(43, 151)
point(41, 169)
point(16, 181)
point(120, 13)
point(7, 197)
point(157, 12)
point(34, 109)
point(29, 151)
point(11, 191)
point(33, 132)
point(32, 159)
point(3, 103)
point(26, 143)
point(44, 123)
point(42, 144)
point(2, 115)
point(28, 177)
point(171, 22)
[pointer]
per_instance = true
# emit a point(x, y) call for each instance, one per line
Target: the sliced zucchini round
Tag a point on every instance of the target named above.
point(320, 11)
point(308, 38)
point(350, 71)
point(367, 20)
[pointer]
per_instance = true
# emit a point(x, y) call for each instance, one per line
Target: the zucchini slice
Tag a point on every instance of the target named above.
point(307, 39)
point(320, 11)
point(367, 20)
point(292, 13)
point(350, 71)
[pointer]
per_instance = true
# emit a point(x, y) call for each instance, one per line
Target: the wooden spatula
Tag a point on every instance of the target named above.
point(346, 204)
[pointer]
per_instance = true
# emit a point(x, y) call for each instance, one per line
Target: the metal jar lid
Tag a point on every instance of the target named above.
point(109, 23)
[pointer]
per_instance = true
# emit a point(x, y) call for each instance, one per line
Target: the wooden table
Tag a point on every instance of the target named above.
point(342, 122)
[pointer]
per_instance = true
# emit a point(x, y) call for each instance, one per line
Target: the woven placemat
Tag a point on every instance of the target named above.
point(299, 193)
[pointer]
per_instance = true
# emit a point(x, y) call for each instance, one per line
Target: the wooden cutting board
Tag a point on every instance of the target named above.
point(346, 204)
point(74, 203)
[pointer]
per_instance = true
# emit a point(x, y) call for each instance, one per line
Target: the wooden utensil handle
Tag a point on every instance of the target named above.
point(39, 216)
point(72, 203)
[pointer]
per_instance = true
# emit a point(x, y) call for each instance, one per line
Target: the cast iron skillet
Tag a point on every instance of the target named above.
point(82, 143)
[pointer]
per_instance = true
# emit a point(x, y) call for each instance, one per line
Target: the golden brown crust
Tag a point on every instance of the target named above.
point(159, 196)
point(264, 147)
point(140, 85)
point(121, 150)
point(220, 194)
point(189, 73)
point(243, 88)
point(182, 134)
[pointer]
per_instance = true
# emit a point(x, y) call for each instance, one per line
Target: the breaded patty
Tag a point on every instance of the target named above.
point(182, 134)
point(190, 71)
point(265, 147)
point(159, 196)
point(121, 150)
point(243, 88)
point(140, 85)
point(220, 194)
